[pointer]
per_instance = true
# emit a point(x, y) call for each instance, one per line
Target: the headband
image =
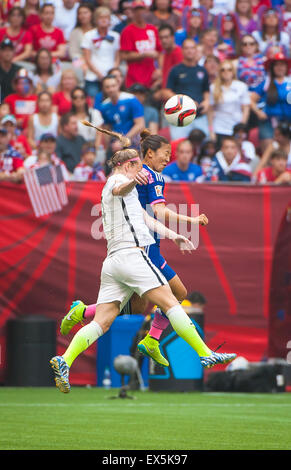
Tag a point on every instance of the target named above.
point(130, 160)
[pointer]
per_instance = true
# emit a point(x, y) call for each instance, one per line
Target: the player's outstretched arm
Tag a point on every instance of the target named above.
point(156, 226)
point(125, 188)
point(163, 213)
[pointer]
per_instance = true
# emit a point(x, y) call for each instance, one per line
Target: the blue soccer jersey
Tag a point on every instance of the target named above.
point(150, 194)
point(120, 116)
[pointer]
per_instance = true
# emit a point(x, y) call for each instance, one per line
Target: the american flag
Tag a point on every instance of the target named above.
point(46, 189)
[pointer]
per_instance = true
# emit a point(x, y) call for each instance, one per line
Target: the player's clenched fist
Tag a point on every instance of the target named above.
point(141, 177)
point(203, 220)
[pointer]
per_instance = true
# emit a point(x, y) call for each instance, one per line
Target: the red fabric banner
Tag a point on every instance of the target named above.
point(47, 263)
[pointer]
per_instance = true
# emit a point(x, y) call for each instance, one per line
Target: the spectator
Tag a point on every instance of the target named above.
point(250, 65)
point(244, 15)
point(247, 148)
point(84, 24)
point(140, 48)
point(151, 115)
point(161, 12)
point(16, 139)
point(182, 169)
point(193, 29)
point(66, 16)
point(82, 111)
point(211, 65)
point(270, 99)
point(190, 79)
point(114, 72)
point(22, 103)
point(281, 141)
point(47, 36)
point(229, 102)
point(228, 164)
point(88, 169)
point(121, 111)
point(21, 38)
point(45, 76)
point(229, 36)
point(101, 51)
point(8, 69)
point(207, 153)
point(171, 54)
point(208, 41)
point(31, 10)
point(45, 121)
point(126, 9)
point(62, 99)
point(208, 13)
point(286, 13)
point(277, 172)
point(69, 142)
point(269, 33)
point(11, 162)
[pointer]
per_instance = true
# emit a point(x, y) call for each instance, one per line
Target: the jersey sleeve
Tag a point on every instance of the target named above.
point(155, 189)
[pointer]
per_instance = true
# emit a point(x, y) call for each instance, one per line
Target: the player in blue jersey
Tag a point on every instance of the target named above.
point(156, 152)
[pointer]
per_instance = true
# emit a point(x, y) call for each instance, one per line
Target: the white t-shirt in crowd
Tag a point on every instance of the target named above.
point(65, 19)
point(228, 112)
point(103, 52)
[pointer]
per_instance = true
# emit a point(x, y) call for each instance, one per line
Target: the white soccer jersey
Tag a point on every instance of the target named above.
point(123, 219)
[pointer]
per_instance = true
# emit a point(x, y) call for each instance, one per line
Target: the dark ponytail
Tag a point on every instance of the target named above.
point(151, 141)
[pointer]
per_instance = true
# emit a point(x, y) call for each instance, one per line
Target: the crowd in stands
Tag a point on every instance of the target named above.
point(115, 64)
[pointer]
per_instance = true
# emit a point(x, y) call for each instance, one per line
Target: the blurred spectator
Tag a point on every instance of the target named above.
point(229, 36)
point(101, 51)
point(62, 99)
point(46, 155)
point(16, 139)
point(250, 65)
point(140, 48)
point(114, 72)
point(208, 13)
point(258, 6)
point(269, 33)
point(126, 10)
point(88, 168)
point(45, 121)
point(82, 111)
point(45, 77)
point(193, 29)
point(171, 53)
point(270, 100)
point(84, 24)
point(121, 111)
point(46, 35)
point(15, 31)
point(151, 115)
point(8, 69)
point(190, 79)
point(209, 42)
point(247, 148)
point(11, 162)
point(161, 12)
point(277, 172)
point(286, 13)
point(182, 169)
point(22, 103)
point(211, 65)
point(229, 102)
point(69, 142)
point(66, 16)
point(244, 15)
point(281, 141)
point(228, 164)
point(31, 10)
point(207, 153)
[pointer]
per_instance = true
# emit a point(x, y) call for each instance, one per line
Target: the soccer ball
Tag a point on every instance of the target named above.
point(180, 110)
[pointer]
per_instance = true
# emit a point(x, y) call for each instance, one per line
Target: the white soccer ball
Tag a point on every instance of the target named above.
point(180, 110)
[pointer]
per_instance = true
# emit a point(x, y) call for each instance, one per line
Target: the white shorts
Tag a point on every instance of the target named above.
point(125, 272)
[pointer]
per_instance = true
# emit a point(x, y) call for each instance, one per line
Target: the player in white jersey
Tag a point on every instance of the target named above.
point(128, 269)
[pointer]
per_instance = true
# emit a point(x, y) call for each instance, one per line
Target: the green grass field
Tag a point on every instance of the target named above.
point(87, 419)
